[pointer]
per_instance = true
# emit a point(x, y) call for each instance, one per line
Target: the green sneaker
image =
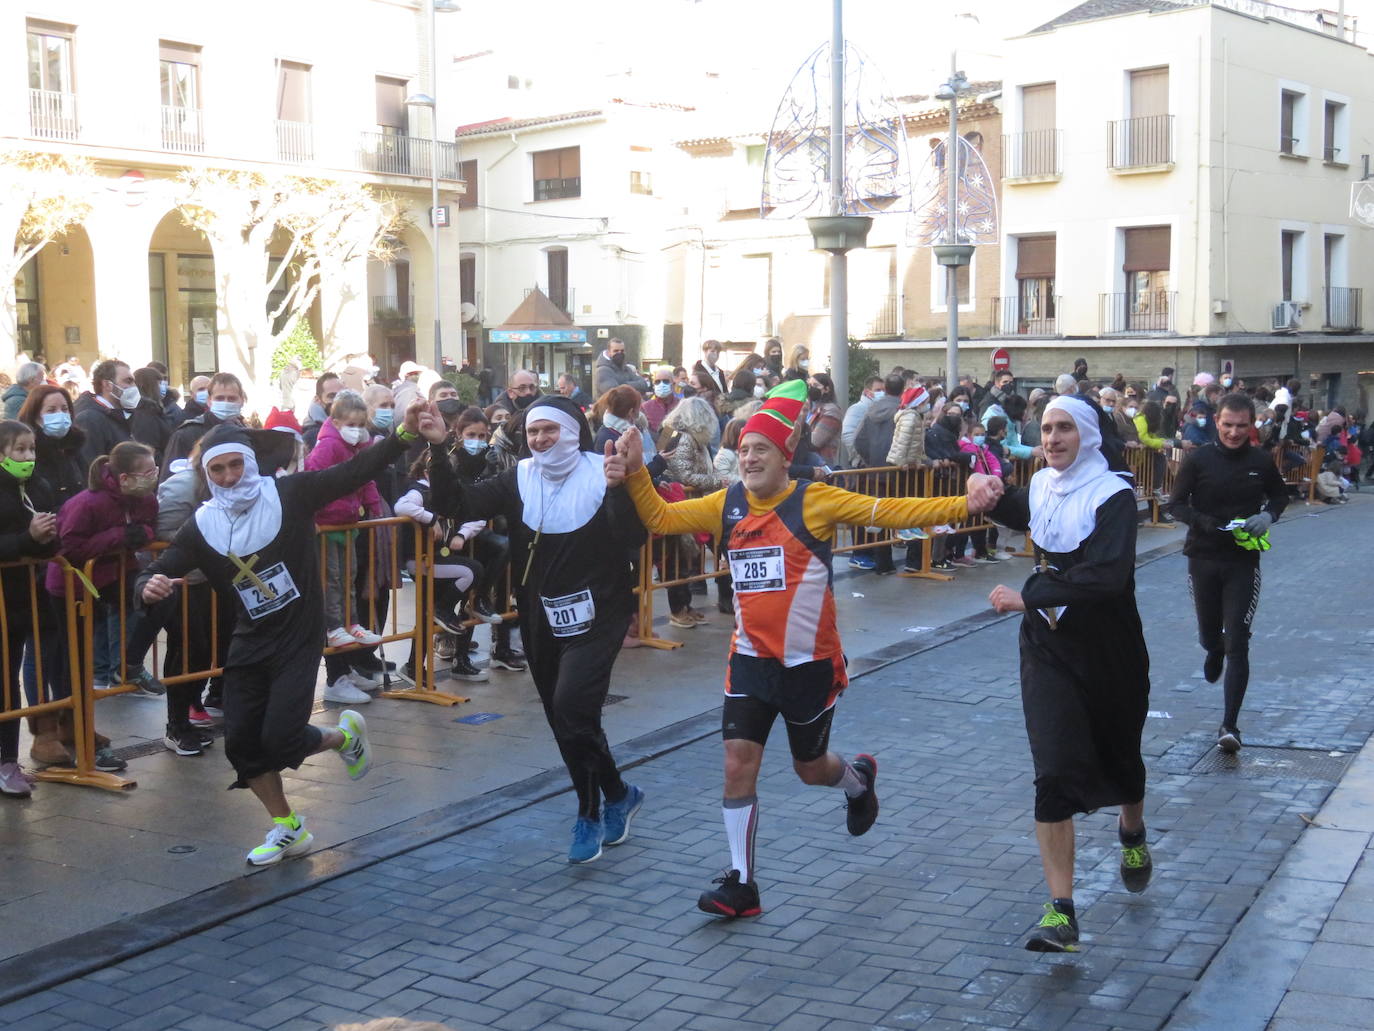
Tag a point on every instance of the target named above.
point(1136, 867)
point(354, 752)
point(288, 837)
point(1057, 932)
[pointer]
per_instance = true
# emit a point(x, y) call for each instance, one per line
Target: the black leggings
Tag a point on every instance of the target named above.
point(1225, 594)
point(572, 675)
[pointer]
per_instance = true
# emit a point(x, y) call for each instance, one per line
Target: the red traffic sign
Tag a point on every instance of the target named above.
point(1001, 359)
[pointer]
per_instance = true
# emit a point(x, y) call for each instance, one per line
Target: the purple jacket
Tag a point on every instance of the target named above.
point(331, 450)
point(99, 523)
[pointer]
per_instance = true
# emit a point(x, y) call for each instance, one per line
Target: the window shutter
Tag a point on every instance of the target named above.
point(1035, 257)
point(546, 165)
point(293, 92)
point(1147, 249)
point(391, 103)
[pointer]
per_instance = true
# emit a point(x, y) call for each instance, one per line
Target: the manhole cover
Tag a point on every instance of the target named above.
point(611, 699)
point(1267, 761)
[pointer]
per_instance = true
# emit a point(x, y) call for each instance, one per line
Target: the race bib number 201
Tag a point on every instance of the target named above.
point(758, 569)
point(571, 614)
point(281, 591)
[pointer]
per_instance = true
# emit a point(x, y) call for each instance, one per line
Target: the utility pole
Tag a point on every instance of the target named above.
point(952, 253)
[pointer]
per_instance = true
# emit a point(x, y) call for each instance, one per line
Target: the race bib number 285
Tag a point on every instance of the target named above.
point(758, 569)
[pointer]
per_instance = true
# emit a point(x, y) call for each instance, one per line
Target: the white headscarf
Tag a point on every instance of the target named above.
point(1064, 503)
point(245, 517)
point(561, 488)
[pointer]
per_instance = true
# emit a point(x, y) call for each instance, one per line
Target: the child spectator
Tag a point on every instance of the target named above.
point(342, 436)
point(1331, 485)
point(975, 443)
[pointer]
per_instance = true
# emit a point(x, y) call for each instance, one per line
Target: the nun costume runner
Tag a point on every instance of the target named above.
point(575, 595)
point(254, 540)
point(1085, 672)
point(786, 658)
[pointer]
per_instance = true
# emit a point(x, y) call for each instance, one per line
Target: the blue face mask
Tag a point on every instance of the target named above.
point(474, 447)
point(979, 439)
point(162, 388)
point(1109, 408)
point(963, 406)
point(225, 409)
point(56, 424)
point(1201, 420)
point(202, 396)
point(383, 417)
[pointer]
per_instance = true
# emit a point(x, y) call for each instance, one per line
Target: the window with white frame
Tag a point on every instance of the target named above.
point(1335, 129)
point(1293, 264)
point(1293, 133)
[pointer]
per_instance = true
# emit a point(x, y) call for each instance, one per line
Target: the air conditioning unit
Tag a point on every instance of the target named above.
point(468, 311)
point(1287, 317)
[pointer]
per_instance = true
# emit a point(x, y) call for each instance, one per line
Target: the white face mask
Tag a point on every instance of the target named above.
point(760, 390)
point(354, 435)
point(1131, 412)
point(129, 397)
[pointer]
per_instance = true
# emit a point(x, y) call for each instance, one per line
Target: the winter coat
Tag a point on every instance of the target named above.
point(103, 426)
point(824, 427)
point(727, 403)
point(908, 439)
point(1143, 434)
point(102, 524)
point(606, 374)
point(984, 461)
point(691, 465)
point(14, 398)
point(1014, 442)
point(1125, 426)
point(150, 425)
point(58, 462)
point(717, 377)
point(876, 431)
point(656, 409)
point(184, 438)
point(331, 450)
point(177, 502)
point(172, 410)
point(16, 543)
point(727, 466)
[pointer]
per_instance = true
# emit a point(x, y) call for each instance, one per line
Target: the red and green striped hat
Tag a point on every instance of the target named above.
point(782, 407)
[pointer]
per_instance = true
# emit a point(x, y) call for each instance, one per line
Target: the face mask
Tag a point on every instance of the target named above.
point(952, 423)
point(803, 363)
point(129, 397)
point(139, 486)
point(202, 396)
point(760, 390)
point(1226, 382)
point(382, 418)
point(1130, 413)
point(758, 371)
point(473, 446)
point(662, 389)
point(56, 424)
point(1201, 420)
point(963, 406)
point(618, 359)
point(162, 388)
point(523, 401)
point(19, 470)
point(353, 435)
point(615, 422)
point(814, 394)
point(979, 439)
point(1109, 409)
point(225, 409)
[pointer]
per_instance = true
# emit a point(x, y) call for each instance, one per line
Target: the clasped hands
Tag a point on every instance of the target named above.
point(983, 492)
point(623, 457)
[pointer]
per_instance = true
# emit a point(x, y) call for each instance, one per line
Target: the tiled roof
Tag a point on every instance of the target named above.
point(510, 124)
point(1093, 9)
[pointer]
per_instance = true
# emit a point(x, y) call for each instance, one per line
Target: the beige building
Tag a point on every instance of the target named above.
point(1176, 191)
point(268, 88)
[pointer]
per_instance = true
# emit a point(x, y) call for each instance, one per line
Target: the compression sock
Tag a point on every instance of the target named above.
point(850, 781)
point(741, 823)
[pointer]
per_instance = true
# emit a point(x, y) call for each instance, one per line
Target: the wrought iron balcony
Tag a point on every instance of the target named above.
point(52, 114)
point(1033, 153)
point(406, 155)
point(295, 141)
point(392, 312)
point(1140, 142)
point(1017, 316)
point(1343, 305)
point(879, 321)
point(1142, 311)
point(182, 129)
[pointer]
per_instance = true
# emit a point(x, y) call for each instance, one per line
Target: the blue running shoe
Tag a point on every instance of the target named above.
point(586, 840)
point(616, 816)
point(862, 562)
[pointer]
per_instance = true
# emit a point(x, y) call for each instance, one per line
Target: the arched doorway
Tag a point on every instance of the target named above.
point(182, 300)
point(55, 292)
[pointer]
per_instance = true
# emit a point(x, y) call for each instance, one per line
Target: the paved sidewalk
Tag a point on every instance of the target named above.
point(918, 924)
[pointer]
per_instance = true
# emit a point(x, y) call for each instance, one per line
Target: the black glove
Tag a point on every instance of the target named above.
point(135, 535)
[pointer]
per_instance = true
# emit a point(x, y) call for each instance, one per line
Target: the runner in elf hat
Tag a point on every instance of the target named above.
point(785, 656)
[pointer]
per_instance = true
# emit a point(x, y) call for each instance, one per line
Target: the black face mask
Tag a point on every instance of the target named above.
point(815, 393)
point(953, 423)
point(523, 401)
point(618, 359)
point(450, 408)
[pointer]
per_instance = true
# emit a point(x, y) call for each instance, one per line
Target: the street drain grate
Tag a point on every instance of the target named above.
point(1272, 761)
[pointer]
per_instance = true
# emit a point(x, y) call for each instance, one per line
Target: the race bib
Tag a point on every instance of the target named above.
point(758, 569)
point(571, 614)
point(281, 591)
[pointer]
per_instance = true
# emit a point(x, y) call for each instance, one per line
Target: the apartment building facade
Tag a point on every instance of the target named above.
point(1176, 191)
point(191, 86)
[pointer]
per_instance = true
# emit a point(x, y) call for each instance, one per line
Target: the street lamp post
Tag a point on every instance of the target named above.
point(953, 252)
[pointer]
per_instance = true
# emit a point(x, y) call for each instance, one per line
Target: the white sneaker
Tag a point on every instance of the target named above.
point(282, 840)
point(356, 756)
point(362, 635)
point(345, 691)
point(339, 638)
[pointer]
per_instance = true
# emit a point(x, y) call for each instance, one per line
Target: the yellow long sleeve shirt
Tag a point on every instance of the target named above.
point(824, 507)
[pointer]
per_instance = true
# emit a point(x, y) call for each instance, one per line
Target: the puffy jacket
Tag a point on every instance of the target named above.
point(726, 465)
point(14, 398)
point(101, 524)
point(984, 461)
point(331, 450)
point(908, 439)
point(104, 428)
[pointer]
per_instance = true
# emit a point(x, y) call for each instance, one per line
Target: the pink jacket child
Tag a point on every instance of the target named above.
point(984, 462)
point(98, 523)
point(329, 450)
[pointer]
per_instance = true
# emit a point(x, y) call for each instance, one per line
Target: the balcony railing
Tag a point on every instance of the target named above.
point(1331, 155)
point(295, 141)
point(1031, 153)
point(880, 321)
point(182, 130)
point(391, 312)
point(1144, 311)
point(406, 155)
point(1343, 308)
point(1140, 142)
point(52, 115)
point(1012, 316)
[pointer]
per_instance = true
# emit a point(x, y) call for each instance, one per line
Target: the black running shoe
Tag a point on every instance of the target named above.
point(463, 669)
point(1136, 867)
point(183, 740)
point(1228, 739)
point(507, 658)
point(732, 899)
point(864, 809)
point(1056, 932)
point(1211, 666)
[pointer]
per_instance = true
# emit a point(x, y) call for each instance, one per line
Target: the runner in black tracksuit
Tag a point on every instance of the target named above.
point(1219, 483)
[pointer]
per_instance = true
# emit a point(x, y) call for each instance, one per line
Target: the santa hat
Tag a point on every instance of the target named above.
point(915, 397)
point(782, 407)
point(284, 422)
